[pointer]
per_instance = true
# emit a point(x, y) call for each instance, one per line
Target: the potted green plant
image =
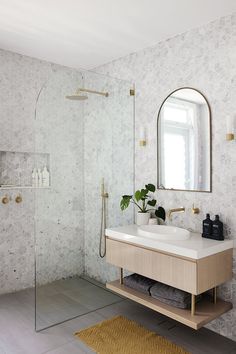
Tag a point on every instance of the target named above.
point(145, 202)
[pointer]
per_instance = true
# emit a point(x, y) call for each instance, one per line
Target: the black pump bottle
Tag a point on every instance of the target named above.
point(217, 229)
point(207, 227)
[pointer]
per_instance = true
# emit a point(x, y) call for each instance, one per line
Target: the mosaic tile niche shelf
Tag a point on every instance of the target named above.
point(16, 168)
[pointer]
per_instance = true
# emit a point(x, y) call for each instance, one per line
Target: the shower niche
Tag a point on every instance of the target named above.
point(16, 169)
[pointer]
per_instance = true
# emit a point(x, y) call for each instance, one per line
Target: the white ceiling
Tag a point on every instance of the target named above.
point(89, 33)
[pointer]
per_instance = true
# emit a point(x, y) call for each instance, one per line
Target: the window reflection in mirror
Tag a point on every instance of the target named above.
point(184, 142)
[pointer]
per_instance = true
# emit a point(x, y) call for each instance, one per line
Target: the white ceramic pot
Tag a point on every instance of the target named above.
point(142, 218)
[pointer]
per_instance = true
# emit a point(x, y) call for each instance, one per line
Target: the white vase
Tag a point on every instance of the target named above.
point(142, 218)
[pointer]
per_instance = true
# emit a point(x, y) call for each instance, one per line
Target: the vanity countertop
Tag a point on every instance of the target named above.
point(195, 247)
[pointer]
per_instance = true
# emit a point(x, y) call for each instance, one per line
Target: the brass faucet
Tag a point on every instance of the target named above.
point(175, 210)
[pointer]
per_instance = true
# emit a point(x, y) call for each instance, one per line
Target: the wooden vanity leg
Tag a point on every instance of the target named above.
point(121, 275)
point(193, 305)
point(214, 294)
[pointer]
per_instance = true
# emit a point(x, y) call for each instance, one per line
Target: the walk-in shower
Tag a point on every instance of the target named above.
point(82, 145)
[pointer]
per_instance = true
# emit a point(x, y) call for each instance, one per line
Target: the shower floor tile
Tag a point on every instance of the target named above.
point(65, 299)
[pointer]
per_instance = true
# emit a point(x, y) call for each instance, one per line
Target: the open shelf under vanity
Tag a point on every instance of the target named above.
point(206, 309)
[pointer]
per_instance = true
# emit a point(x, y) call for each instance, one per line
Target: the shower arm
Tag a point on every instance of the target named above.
point(106, 94)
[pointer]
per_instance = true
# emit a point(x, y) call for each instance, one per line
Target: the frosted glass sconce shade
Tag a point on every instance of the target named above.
point(142, 136)
point(230, 128)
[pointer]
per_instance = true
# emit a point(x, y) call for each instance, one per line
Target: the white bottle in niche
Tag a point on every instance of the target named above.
point(45, 177)
point(34, 177)
point(40, 178)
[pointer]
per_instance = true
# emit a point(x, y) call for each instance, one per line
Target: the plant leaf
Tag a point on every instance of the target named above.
point(150, 187)
point(137, 195)
point(144, 193)
point(160, 213)
point(152, 202)
point(125, 201)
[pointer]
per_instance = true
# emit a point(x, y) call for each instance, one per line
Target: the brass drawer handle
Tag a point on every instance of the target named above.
point(18, 199)
point(5, 200)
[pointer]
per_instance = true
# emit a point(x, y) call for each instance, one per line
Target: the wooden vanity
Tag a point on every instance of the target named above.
point(195, 274)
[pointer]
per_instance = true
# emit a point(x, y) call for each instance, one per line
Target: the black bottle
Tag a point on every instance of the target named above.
point(207, 227)
point(217, 229)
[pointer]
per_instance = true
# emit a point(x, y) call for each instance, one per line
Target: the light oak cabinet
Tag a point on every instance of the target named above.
point(192, 275)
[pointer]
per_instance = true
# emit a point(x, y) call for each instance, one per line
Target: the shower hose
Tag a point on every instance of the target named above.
point(102, 243)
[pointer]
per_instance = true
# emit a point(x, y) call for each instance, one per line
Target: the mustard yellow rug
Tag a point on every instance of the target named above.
point(122, 336)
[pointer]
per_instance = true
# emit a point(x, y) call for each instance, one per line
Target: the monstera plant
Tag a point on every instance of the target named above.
point(145, 202)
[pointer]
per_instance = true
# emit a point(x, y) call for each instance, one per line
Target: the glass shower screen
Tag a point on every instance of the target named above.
point(79, 141)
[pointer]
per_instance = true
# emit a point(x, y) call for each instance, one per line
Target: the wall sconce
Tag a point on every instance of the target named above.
point(142, 136)
point(230, 128)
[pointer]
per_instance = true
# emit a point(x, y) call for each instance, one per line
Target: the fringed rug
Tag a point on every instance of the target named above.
point(119, 335)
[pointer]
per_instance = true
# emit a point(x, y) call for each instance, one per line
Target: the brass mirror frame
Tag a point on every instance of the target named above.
point(210, 140)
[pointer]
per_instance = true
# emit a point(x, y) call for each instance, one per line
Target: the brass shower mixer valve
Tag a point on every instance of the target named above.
point(18, 199)
point(5, 199)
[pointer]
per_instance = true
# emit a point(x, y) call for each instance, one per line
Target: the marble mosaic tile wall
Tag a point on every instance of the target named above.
point(203, 58)
point(56, 131)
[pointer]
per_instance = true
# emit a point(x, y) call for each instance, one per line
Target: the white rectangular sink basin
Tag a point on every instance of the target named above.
point(162, 232)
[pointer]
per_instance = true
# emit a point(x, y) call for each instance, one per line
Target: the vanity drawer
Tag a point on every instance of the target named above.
point(177, 272)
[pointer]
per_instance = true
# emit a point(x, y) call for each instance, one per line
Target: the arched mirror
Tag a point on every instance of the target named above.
point(184, 142)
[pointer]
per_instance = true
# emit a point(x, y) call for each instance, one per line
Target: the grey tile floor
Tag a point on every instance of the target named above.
point(17, 335)
point(65, 299)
